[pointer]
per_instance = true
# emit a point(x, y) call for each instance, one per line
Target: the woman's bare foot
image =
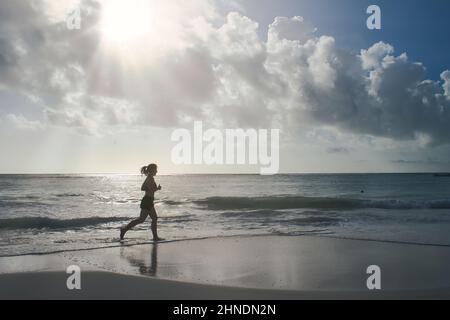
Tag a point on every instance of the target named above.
point(158, 239)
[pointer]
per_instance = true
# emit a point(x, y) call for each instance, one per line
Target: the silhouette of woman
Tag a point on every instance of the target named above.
point(147, 208)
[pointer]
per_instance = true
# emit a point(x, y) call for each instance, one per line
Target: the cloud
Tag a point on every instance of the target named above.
point(445, 76)
point(426, 162)
point(200, 65)
point(20, 122)
point(42, 58)
point(294, 29)
point(338, 150)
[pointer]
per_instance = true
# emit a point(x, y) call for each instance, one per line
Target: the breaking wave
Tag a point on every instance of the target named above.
point(49, 223)
point(299, 202)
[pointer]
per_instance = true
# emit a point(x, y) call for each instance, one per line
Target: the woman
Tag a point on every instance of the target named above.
point(147, 208)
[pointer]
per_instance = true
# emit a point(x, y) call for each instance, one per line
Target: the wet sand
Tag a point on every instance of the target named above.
point(263, 267)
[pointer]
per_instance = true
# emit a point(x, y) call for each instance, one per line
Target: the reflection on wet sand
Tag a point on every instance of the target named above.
point(145, 267)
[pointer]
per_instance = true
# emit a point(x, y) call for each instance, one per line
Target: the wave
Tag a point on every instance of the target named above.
point(299, 202)
point(20, 203)
point(270, 217)
point(173, 202)
point(49, 223)
point(62, 195)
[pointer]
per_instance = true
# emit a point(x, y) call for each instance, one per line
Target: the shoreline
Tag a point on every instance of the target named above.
point(151, 242)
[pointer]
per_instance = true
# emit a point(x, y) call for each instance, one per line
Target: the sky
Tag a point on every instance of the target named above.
point(106, 98)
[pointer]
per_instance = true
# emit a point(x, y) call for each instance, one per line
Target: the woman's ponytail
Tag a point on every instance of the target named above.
point(147, 169)
point(144, 170)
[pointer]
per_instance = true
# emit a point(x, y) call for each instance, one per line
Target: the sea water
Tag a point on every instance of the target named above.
point(51, 213)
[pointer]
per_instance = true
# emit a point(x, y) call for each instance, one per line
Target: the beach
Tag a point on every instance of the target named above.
point(251, 267)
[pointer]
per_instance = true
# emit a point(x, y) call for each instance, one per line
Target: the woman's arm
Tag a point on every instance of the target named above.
point(149, 185)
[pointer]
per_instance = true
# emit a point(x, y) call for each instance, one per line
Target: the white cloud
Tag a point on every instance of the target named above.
point(445, 76)
point(296, 28)
point(18, 121)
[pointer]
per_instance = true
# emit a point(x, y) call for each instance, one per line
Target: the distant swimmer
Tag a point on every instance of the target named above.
point(147, 207)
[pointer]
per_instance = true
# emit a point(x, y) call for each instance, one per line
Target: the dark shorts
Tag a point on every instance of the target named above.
point(147, 203)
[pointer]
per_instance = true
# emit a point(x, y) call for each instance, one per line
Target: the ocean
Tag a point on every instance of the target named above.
point(52, 213)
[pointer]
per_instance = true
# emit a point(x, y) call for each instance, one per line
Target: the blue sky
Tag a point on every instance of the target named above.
point(414, 26)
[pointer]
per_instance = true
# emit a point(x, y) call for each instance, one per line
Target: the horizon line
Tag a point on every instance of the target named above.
point(220, 173)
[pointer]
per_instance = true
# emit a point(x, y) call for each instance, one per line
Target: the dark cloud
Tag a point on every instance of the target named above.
point(422, 162)
point(338, 150)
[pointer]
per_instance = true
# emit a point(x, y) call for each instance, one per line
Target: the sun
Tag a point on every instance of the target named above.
point(126, 21)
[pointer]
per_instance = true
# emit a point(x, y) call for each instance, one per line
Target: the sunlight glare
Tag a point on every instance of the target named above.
point(126, 21)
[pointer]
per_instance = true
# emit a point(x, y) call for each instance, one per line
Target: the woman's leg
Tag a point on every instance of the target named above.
point(133, 223)
point(154, 218)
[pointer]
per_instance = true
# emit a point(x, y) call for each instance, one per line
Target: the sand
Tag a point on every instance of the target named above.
point(263, 267)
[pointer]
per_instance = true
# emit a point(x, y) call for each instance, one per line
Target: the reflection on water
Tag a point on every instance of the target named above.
point(146, 267)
